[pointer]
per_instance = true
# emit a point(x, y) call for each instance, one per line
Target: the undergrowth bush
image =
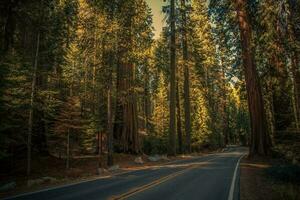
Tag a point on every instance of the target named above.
point(285, 173)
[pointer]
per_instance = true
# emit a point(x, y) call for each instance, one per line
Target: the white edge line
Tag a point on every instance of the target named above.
point(57, 187)
point(230, 197)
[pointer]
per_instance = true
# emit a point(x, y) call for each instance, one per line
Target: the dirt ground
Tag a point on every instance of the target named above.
point(255, 184)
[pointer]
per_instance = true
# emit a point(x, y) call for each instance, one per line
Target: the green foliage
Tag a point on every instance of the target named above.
point(160, 112)
point(155, 145)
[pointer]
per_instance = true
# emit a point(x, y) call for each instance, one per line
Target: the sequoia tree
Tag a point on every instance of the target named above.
point(260, 142)
point(126, 121)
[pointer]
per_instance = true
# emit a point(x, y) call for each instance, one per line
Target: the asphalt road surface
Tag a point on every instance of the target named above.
point(211, 177)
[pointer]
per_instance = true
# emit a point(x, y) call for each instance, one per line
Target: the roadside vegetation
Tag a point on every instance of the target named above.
point(269, 179)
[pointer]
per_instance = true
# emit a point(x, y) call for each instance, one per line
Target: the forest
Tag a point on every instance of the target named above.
point(89, 77)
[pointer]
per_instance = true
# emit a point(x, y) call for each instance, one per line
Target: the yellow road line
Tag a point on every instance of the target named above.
point(156, 182)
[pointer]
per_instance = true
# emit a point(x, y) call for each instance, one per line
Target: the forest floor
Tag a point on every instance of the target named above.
point(48, 172)
point(269, 179)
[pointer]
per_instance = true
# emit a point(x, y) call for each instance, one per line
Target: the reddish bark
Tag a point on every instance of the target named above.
point(126, 123)
point(260, 142)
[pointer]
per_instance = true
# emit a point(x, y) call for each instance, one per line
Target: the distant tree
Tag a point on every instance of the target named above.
point(172, 135)
point(187, 109)
point(32, 99)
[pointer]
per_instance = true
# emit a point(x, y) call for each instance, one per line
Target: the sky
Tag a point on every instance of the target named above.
point(158, 16)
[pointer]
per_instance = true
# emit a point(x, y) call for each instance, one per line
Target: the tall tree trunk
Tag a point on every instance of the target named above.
point(68, 150)
point(260, 142)
point(172, 133)
point(32, 97)
point(126, 123)
point(9, 16)
point(296, 84)
point(101, 143)
point(110, 133)
point(179, 132)
point(187, 106)
point(99, 151)
point(147, 109)
point(68, 133)
point(224, 109)
point(110, 137)
point(294, 32)
point(94, 74)
point(146, 100)
point(126, 128)
point(85, 83)
point(98, 143)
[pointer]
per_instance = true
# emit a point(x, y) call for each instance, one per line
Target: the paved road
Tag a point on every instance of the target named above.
point(209, 178)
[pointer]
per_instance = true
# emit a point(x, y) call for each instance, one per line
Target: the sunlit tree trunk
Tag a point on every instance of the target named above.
point(224, 109)
point(260, 142)
point(179, 132)
point(94, 74)
point(85, 84)
point(187, 106)
point(172, 131)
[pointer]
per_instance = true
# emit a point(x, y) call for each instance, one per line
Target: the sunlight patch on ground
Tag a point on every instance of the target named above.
point(251, 165)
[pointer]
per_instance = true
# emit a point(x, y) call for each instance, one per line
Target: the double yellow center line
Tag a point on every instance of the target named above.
point(157, 182)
